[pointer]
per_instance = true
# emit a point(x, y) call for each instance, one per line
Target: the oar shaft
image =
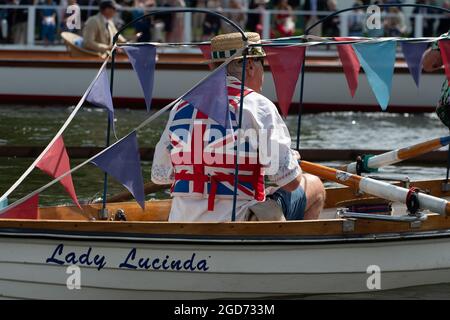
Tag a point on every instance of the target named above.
point(399, 155)
point(377, 188)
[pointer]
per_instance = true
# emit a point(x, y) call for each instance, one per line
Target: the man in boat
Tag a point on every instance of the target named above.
point(432, 61)
point(203, 190)
point(99, 30)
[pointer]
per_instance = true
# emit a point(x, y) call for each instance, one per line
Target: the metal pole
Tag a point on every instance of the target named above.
point(236, 154)
point(300, 104)
point(104, 212)
point(31, 25)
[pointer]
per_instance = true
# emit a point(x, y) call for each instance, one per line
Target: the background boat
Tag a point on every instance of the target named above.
point(325, 85)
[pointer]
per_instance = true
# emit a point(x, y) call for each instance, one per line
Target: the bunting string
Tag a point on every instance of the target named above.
point(59, 133)
point(143, 124)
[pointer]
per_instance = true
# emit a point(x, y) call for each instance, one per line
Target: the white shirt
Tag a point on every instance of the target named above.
point(258, 113)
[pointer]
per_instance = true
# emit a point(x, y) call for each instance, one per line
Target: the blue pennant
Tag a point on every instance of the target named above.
point(142, 59)
point(100, 95)
point(211, 98)
point(123, 162)
point(413, 53)
point(377, 60)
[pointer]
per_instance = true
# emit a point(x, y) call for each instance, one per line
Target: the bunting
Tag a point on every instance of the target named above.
point(350, 64)
point(444, 46)
point(211, 97)
point(143, 59)
point(377, 60)
point(413, 53)
point(123, 162)
point(100, 95)
point(206, 52)
point(285, 64)
point(26, 210)
point(55, 162)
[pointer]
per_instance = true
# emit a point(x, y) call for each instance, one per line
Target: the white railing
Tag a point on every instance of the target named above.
point(266, 18)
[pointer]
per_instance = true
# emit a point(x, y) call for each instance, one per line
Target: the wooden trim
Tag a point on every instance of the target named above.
point(149, 221)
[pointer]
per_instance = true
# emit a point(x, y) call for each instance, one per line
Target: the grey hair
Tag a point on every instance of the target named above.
point(234, 69)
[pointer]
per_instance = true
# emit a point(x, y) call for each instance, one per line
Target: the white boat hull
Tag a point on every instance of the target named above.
point(232, 269)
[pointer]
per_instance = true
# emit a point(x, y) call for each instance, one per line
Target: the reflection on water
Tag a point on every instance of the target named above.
point(34, 126)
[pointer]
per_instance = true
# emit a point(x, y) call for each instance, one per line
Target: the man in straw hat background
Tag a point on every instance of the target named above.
point(202, 190)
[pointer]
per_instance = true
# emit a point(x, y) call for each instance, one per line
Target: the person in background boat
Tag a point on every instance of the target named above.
point(428, 23)
point(444, 22)
point(211, 24)
point(19, 21)
point(284, 22)
point(238, 16)
point(48, 22)
point(432, 61)
point(330, 26)
point(99, 30)
point(356, 20)
point(395, 23)
point(202, 189)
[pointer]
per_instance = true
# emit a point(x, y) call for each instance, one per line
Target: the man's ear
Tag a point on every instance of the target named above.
point(250, 69)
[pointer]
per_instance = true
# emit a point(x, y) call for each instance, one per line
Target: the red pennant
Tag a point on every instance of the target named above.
point(56, 162)
point(206, 52)
point(285, 64)
point(350, 63)
point(444, 45)
point(25, 210)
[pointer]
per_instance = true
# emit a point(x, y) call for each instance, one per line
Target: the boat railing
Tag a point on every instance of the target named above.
point(192, 28)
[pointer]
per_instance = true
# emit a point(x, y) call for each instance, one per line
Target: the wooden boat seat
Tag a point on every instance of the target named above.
point(73, 41)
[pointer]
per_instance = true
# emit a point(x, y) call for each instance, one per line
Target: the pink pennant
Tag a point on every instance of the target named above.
point(25, 210)
point(350, 63)
point(444, 46)
point(55, 163)
point(285, 64)
point(206, 52)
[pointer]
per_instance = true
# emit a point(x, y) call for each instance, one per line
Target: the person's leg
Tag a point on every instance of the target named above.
point(306, 202)
point(315, 196)
point(293, 204)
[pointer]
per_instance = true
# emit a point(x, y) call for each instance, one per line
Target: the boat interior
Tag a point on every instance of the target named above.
point(129, 218)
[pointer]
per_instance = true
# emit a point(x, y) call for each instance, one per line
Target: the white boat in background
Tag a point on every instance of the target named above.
point(51, 77)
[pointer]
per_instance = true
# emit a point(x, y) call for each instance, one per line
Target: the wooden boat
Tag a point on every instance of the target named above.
point(145, 257)
point(181, 69)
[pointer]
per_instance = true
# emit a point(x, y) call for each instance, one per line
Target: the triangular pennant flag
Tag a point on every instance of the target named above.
point(55, 162)
point(100, 95)
point(285, 64)
point(123, 162)
point(26, 210)
point(142, 59)
point(206, 52)
point(350, 64)
point(444, 46)
point(211, 97)
point(377, 60)
point(413, 53)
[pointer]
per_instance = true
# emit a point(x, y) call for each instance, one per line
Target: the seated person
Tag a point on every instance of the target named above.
point(99, 30)
point(432, 61)
point(202, 189)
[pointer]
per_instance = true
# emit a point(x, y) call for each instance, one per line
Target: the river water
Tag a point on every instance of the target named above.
point(35, 126)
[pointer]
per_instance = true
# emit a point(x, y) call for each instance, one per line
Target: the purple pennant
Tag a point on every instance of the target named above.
point(413, 53)
point(142, 59)
point(100, 95)
point(211, 98)
point(123, 162)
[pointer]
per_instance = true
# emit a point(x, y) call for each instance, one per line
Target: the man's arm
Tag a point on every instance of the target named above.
point(162, 169)
point(432, 60)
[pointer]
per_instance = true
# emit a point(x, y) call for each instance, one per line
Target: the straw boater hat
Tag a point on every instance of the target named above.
point(225, 45)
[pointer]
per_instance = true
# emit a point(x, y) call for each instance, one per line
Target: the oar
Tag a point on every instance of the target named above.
point(377, 188)
point(401, 154)
point(149, 187)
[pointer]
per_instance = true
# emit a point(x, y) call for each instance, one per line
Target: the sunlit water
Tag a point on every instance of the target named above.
point(35, 126)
